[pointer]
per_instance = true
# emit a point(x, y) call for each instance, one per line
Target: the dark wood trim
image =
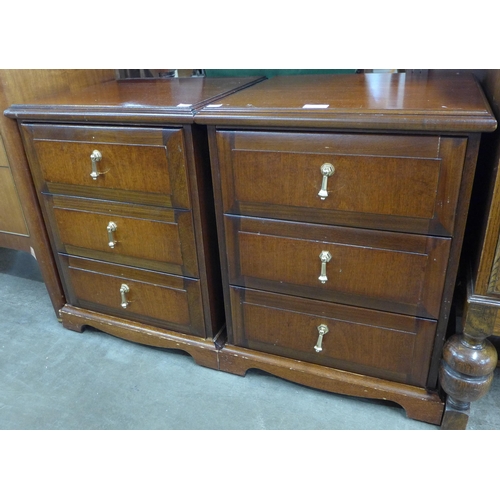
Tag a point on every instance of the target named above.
point(419, 404)
point(203, 351)
point(205, 227)
point(454, 258)
point(221, 238)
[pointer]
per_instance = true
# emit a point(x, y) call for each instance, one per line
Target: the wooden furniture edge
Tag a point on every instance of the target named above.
point(418, 403)
point(203, 351)
point(464, 123)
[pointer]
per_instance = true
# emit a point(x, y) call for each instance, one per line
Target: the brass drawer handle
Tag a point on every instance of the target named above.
point(124, 289)
point(111, 228)
point(327, 169)
point(324, 257)
point(95, 157)
point(322, 330)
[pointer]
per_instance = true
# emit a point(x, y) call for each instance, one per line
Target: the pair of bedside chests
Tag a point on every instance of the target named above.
point(307, 226)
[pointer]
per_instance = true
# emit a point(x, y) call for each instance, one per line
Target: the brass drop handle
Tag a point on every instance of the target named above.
point(327, 169)
point(322, 330)
point(324, 257)
point(95, 157)
point(124, 289)
point(111, 228)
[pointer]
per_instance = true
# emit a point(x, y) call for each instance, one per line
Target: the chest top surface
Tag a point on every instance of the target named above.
point(135, 100)
point(398, 101)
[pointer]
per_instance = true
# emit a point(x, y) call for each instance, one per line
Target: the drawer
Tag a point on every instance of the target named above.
point(385, 345)
point(160, 239)
point(157, 299)
point(402, 273)
point(395, 182)
point(138, 165)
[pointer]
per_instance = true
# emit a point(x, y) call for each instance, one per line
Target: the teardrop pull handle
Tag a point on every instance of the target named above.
point(327, 170)
point(124, 289)
point(324, 257)
point(322, 330)
point(111, 228)
point(95, 157)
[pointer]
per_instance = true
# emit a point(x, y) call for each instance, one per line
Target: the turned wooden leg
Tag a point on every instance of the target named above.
point(466, 370)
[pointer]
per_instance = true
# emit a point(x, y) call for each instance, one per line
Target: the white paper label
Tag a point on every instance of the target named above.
point(214, 105)
point(315, 106)
point(183, 105)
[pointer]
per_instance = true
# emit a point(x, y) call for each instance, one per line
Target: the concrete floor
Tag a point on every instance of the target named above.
point(52, 378)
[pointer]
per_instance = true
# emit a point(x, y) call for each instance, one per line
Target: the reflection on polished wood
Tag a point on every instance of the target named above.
point(134, 101)
point(377, 101)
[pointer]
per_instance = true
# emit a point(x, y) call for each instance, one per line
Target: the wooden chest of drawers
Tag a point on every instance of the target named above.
point(124, 183)
point(21, 223)
point(341, 204)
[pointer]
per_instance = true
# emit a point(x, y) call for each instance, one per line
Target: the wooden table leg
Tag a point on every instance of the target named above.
point(467, 367)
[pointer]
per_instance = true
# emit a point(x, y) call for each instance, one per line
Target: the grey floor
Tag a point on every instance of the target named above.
point(52, 378)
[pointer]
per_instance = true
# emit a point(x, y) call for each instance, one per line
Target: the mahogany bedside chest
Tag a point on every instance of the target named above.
point(21, 223)
point(123, 179)
point(341, 203)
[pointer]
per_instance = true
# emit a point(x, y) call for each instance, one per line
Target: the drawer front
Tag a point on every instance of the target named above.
point(152, 238)
point(405, 183)
point(390, 346)
point(156, 299)
point(137, 165)
point(402, 273)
